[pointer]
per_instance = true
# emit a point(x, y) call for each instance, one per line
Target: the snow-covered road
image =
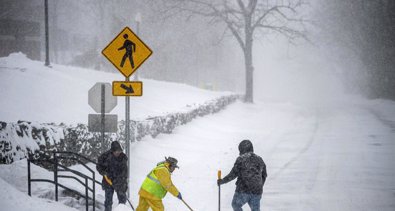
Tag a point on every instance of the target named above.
point(345, 164)
point(337, 157)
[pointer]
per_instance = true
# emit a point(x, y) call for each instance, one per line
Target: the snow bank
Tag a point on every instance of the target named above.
point(30, 91)
point(13, 199)
point(17, 61)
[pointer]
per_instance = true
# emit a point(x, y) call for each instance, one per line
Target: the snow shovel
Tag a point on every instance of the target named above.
point(186, 205)
point(110, 183)
point(130, 204)
point(219, 192)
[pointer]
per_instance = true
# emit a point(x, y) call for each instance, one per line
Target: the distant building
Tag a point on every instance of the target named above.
point(20, 36)
point(21, 27)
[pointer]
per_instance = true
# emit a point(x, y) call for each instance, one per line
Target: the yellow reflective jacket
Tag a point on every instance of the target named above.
point(158, 183)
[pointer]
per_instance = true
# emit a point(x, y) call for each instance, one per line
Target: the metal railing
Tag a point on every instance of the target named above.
point(57, 156)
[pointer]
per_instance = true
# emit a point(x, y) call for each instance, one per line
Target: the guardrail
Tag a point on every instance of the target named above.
point(56, 156)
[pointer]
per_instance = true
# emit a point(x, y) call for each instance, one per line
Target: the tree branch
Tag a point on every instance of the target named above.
point(239, 17)
point(286, 31)
point(242, 6)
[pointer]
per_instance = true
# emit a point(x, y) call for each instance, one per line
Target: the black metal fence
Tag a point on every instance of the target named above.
point(59, 168)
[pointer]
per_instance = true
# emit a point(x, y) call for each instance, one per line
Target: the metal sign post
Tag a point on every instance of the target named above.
point(127, 134)
point(103, 108)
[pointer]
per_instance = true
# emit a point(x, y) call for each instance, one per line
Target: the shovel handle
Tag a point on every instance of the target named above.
point(130, 204)
point(186, 205)
point(110, 183)
point(219, 192)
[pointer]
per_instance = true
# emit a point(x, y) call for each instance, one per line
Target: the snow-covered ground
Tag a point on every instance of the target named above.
point(16, 200)
point(323, 158)
point(336, 156)
point(28, 90)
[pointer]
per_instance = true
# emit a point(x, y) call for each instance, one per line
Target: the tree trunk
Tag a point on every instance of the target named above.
point(249, 93)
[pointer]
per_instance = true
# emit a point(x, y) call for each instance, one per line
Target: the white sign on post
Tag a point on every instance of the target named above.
point(95, 97)
point(111, 123)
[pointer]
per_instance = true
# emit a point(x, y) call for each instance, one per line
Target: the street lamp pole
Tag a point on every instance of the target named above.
point(137, 18)
point(46, 34)
point(127, 113)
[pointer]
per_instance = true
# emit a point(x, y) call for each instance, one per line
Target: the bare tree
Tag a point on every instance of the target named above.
point(243, 18)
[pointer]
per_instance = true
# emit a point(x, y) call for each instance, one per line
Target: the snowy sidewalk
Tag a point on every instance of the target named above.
point(330, 158)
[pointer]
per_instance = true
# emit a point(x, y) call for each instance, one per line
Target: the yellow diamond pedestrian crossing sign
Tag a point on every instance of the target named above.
point(127, 52)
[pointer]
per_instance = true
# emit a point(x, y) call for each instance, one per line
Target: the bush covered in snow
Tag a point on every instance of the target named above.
point(23, 139)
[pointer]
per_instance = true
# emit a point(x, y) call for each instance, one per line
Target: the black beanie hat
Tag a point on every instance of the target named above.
point(115, 146)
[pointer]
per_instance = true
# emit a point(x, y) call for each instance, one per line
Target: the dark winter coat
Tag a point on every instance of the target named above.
point(115, 168)
point(249, 169)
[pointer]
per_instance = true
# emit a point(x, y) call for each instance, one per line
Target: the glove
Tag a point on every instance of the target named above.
point(108, 180)
point(179, 196)
point(220, 182)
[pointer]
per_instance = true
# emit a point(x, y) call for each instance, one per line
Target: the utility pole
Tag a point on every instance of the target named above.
point(46, 34)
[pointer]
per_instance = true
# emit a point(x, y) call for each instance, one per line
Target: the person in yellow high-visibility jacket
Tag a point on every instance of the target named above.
point(156, 185)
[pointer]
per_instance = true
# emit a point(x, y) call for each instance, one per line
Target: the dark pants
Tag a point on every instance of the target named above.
point(109, 191)
point(240, 199)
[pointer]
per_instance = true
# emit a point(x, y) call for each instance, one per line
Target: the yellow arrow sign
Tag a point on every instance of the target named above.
point(127, 88)
point(127, 52)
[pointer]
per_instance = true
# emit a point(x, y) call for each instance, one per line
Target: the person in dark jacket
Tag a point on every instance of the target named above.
point(113, 166)
point(250, 171)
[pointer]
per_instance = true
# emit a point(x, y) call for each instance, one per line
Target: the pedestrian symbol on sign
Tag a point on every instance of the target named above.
point(130, 48)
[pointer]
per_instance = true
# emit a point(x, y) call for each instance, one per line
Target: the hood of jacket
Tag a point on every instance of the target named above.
point(115, 146)
point(245, 146)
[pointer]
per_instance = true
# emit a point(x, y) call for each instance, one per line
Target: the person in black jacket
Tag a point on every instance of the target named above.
point(113, 166)
point(250, 171)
